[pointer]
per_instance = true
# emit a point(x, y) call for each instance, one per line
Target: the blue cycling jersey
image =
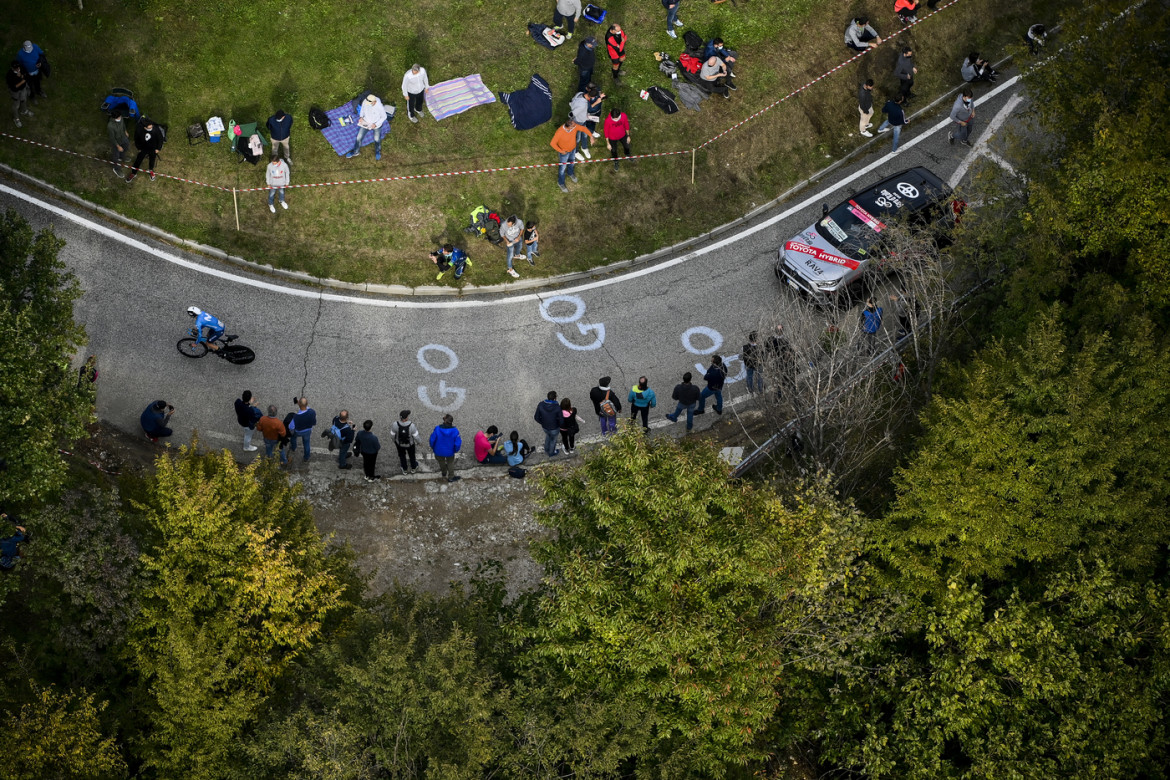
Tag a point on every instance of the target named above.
point(205, 320)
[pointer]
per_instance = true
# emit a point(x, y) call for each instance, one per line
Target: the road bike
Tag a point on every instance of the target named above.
point(192, 347)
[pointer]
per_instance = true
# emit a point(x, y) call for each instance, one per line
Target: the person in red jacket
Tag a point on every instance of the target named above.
point(617, 131)
point(615, 46)
point(907, 9)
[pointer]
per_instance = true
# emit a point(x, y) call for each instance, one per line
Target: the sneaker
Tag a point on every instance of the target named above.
point(27, 112)
point(405, 472)
point(368, 479)
point(731, 86)
point(719, 411)
point(444, 273)
point(869, 125)
point(597, 135)
point(512, 273)
point(700, 411)
point(573, 179)
point(153, 175)
point(414, 470)
point(671, 33)
point(532, 262)
point(18, 124)
point(346, 467)
point(568, 36)
point(250, 448)
point(588, 156)
point(563, 189)
point(883, 129)
point(580, 156)
point(130, 177)
point(454, 478)
point(951, 139)
point(283, 205)
point(272, 208)
point(965, 143)
point(117, 171)
point(727, 95)
point(672, 419)
point(377, 156)
point(678, 23)
point(412, 118)
point(867, 134)
point(348, 155)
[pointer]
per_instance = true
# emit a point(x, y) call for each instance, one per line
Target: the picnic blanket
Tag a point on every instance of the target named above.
point(343, 128)
point(531, 106)
point(457, 95)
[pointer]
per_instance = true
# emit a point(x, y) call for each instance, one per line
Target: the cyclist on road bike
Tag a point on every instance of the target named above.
point(207, 328)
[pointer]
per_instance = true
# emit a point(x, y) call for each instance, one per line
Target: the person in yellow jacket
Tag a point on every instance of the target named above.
point(564, 140)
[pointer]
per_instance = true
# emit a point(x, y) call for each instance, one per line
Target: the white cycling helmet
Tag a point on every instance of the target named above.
point(194, 311)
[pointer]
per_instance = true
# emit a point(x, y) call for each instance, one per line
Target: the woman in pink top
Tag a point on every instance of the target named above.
point(617, 131)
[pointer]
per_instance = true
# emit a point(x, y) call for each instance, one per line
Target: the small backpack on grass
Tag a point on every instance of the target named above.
point(318, 119)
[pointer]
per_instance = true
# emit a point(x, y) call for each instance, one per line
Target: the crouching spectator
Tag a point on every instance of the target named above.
point(860, 35)
point(154, 420)
point(714, 74)
point(976, 69)
point(489, 447)
point(1035, 38)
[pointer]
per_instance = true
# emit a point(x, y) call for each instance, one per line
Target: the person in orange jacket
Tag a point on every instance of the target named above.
point(564, 140)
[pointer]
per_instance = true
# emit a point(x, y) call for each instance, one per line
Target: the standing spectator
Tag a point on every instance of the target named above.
point(579, 113)
point(715, 376)
point(367, 445)
point(277, 176)
point(406, 436)
point(907, 10)
point(905, 71)
point(154, 420)
point(279, 130)
point(860, 35)
point(781, 358)
point(595, 98)
point(17, 80)
point(686, 395)
point(515, 449)
point(372, 116)
point(10, 545)
point(149, 140)
point(672, 21)
point(567, 12)
point(119, 141)
point(445, 442)
point(273, 430)
point(642, 400)
point(716, 48)
point(301, 426)
point(617, 134)
point(531, 241)
point(585, 60)
point(962, 114)
point(33, 60)
point(1035, 37)
point(489, 447)
point(511, 231)
point(606, 405)
point(714, 72)
point(615, 47)
point(340, 435)
point(548, 416)
point(865, 107)
point(569, 426)
point(414, 88)
point(87, 375)
point(895, 118)
point(974, 68)
point(871, 323)
point(750, 355)
point(247, 415)
point(564, 141)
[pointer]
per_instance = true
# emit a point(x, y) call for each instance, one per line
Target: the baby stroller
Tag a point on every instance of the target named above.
point(485, 223)
point(122, 101)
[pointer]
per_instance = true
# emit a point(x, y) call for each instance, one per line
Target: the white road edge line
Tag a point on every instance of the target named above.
point(981, 147)
point(461, 304)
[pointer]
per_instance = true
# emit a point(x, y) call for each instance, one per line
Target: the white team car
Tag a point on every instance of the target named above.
point(825, 259)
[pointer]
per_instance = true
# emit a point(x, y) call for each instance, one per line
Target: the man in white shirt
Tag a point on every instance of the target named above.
point(371, 117)
point(414, 89)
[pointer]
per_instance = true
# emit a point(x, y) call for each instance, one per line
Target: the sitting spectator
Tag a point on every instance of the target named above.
point(714, 72)
point(860, 36)
point(10, 545)
point(1035, 37)
point(907, 9)
point(515, 449)
point(154, 420)
point(976, 69)
point(371, 116)
point(715, 48)
point(489, 447)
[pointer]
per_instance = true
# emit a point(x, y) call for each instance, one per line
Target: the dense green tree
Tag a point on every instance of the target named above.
point(236, 586)
point(41, 407)
point(58, 736)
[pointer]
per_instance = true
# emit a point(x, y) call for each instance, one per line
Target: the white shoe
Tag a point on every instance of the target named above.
point(512, 273)
point(867, 134)
point(250, 448)
point(18, 124)
point(678, 23)
point(597, 135)
point(671, 33)
point(588, 156)
point(883, 129)
point(869, 125)
point(580, 156)
point(272, 208)
point(283, 205)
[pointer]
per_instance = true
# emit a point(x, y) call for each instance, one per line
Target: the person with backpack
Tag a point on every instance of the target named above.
point(642, 400)
point(750, 355)
point(617, 134)
point(445, 442)
point(606, 405)
point(273, 431)
point(715, 376)
point(340, 435)
point(672, 20)
point(367, 445)
point(149, 139)
point(301, 426)
point(615, 47)
point(569, 426)
point(564, 141)
point(548, 416)
point(405, 438)
point(279, 130)
point(247, 415)
point(686, 396)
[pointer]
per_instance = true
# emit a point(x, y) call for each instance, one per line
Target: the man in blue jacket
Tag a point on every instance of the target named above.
point(895, 118)
point(32, 57)
point(445, 442)
point(714, 377)
point(341, 434)
point(154, 420)
point(301, 426)
point(279, 129)
point(548, 415)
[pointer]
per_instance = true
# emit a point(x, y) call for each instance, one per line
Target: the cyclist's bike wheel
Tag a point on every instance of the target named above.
point(236, 354)
point(192, 348)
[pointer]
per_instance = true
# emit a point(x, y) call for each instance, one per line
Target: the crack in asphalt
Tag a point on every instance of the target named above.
point(312, 338)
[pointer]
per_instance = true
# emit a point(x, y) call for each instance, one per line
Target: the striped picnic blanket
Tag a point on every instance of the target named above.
point(457, 95)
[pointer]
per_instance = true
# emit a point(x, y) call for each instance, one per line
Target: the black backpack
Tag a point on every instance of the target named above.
point(694, 43)
point(402, 435)
point(318, 120)
point(664, 99)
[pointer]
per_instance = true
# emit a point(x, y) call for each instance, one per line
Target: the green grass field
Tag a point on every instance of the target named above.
point(187, 61)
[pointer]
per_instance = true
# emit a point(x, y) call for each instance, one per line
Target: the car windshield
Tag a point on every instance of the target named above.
point(855, 226)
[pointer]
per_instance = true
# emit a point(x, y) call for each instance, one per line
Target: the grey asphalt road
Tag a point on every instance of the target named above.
point(487, 360)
